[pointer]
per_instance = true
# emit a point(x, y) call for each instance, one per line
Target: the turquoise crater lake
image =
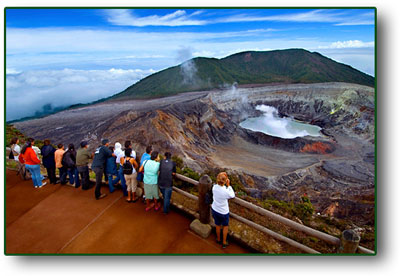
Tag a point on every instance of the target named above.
point(270, 123)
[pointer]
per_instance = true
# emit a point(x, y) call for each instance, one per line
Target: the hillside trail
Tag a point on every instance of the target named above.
point(59, 219)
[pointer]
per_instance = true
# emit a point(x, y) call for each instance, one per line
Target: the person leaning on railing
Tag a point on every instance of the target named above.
point(222, 191)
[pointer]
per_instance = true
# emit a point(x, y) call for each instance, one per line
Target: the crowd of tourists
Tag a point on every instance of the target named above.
point(118, 165)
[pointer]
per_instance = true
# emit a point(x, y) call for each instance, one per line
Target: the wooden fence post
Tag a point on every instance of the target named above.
point(349, 242)
point(204, 208)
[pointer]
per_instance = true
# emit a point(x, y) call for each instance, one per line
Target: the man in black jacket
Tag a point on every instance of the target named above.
point(99, 162)
point(47, 152)
point(167, 170)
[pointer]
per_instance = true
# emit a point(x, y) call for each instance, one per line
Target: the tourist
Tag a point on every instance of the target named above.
point(128, 144)
point(58, 155)
point(82, 160)
point(15, 148)
point(69, 162)
point(99, 162)
point(167, 170)
point(36, 150)
point(32, 163)
point(47, 152)
point(129, 167)
point(150, 179)
point(111, 170)
point(119, 154)
point(145, 156)
point(222, 191)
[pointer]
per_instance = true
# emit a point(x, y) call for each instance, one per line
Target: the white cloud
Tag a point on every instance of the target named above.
point(321, 16)
point(348, 44)
point(123, 17)
point(11, 71)
point(34, 89)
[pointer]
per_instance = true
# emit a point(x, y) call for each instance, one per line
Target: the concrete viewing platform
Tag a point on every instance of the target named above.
point(60, 219)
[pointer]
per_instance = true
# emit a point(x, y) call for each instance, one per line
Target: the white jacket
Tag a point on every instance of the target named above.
point(221, 194)
point(120, 153)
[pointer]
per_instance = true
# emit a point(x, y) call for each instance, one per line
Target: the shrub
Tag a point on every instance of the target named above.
point(304, 210)
point(178, 161)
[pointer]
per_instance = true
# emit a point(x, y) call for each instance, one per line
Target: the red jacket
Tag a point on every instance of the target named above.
point(29, 157)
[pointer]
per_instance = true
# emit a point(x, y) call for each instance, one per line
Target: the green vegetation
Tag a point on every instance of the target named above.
point(280, 66)
point(303, 210)
point(12, 132)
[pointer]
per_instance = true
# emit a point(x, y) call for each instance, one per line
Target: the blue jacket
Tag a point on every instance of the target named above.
point(48, 156)
point(111, 166)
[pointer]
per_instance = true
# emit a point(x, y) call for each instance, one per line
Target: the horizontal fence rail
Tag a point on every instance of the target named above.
point(258, 227)
point(294, 225)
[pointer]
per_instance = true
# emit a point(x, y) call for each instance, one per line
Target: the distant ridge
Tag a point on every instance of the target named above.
point(251, 67)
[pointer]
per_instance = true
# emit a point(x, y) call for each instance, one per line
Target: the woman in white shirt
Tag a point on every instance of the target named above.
point(15, 148)
point(220, 207)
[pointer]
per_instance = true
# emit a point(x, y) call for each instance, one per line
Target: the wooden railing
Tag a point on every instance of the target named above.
point(294, 225)
point(285, 221)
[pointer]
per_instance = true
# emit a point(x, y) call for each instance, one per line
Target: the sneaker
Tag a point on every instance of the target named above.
point(36, 187)
point(43, 184)
point(225, 245)
point(101, 196)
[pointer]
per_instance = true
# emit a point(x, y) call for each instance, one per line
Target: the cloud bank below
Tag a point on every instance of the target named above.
point(29, 92)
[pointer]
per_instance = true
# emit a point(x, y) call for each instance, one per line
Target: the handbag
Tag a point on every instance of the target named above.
point(140, 175)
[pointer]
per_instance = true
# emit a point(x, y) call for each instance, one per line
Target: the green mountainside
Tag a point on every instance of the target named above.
point(279, 66)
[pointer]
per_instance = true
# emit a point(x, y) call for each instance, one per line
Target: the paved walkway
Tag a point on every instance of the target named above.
point(62, 219)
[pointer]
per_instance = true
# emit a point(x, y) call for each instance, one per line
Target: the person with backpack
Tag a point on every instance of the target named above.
point(47, 152)
point(101, 155)
point(32, 163)
point(222, 192)
point(150, 169)
point(167, 171)
point(69, 162)
point(58, 156)
point(120, 153)
point(111, 170)
point(129, 167)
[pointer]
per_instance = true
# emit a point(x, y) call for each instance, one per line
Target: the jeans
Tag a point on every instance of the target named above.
point(36, 175)
point(73, 176)
point(99, 176)
point(84, 174)
point(166, 192)
point(63, 175)
point(112, 182)
point(123, 182)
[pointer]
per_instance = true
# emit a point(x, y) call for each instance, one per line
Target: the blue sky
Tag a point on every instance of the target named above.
point(66, 56)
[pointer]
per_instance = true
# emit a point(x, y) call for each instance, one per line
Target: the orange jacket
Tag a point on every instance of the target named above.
point(29, 157)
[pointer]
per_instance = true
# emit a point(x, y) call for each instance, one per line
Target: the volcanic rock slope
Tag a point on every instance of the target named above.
point(336, 170)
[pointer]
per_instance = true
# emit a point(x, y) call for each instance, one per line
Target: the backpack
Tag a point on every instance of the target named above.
point(23, 172)
point(127, 167)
